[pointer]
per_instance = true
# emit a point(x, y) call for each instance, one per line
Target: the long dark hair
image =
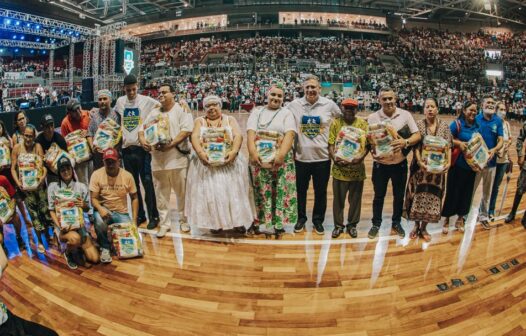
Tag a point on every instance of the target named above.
point(467, 104)
point(15, 124)
point(4, 132)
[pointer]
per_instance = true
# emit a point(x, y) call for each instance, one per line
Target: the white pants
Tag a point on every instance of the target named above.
point(488, 175)
point(164, 182)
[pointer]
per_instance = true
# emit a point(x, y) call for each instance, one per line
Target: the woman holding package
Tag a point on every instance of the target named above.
point(19, 126)
point(274, 175)
point(71, 229)
point(218, 195)
point(34, 190)
point(461, 177)
point(425, 189)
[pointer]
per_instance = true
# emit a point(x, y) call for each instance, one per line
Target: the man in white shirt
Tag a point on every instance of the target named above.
point(313, 115)
point(134, 109)
point(169, 163)
point(393, 167)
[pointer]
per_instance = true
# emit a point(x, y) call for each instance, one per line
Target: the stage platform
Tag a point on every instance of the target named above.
point(301, 284)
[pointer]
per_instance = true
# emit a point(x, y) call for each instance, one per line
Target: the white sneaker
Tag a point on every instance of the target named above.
point(162, 231)
point(184, 227)
point(105, 256)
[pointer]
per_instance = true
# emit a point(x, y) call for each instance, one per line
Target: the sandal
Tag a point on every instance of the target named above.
point(445, 227)
point(41, 249)
point(459, 224)
point(425, 235)
point(414, 233)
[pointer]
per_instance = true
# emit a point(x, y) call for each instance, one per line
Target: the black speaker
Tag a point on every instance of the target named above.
point(87, 90)
point(119, 56)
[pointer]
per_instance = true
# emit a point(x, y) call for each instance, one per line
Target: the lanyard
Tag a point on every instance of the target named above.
point(266, 125)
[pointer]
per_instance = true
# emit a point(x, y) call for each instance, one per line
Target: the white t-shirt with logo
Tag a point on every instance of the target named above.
point(133, 113)
point(180, 121)
point(280, 121)
point(312, 123)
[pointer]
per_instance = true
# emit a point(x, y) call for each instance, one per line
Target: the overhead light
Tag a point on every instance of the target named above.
point(404, 21)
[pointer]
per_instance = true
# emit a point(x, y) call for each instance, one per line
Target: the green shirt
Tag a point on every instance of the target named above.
point(352, 172)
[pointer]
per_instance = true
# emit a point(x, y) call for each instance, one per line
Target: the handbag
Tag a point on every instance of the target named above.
point(455, 151)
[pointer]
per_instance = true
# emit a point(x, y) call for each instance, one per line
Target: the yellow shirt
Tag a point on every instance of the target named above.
point(353, 172)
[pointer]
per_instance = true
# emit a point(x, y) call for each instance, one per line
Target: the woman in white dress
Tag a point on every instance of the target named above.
point(218, 197)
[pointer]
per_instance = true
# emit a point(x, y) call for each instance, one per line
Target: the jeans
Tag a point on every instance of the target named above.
point(397, 173)
point(499, 175)
point(101, 227)
point(138, 162)
point(320, 173)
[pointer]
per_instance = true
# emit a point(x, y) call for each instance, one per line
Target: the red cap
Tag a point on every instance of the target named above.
point(110, 153)
point(350, 102)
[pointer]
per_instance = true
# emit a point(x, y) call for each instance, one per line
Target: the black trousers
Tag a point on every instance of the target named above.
point(459, 192)
point(397, 173)
point(138, 162)
point(320, 173)
point(16, 326)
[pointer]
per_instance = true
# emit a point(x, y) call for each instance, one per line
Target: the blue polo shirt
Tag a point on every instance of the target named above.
point(490, 130)
point(465, 134)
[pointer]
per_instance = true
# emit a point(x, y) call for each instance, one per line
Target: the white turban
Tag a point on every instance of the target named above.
point(211, 99)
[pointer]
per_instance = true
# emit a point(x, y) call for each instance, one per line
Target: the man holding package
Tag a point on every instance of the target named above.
point(46, 138)
point(348, 174)
point(77, 120)
point(393, 166)
point(109, 188)
point(98, 115)
point(134, 109)
point(169, 158)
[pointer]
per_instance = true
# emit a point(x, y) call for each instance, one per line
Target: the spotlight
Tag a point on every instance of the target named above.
point(62, 31)
point(32, 51)
point(38, 39)
point(28, 25)
point(1, 50)
point(17, 23)
point(37, 27)
point(22, 37)
point(14, 37)
point(43, 52)
point(8, 21)
point(404, 21)
point(16, 50)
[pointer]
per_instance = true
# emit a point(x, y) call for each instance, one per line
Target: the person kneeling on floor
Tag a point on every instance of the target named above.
point(109, 188)
point(74, 236)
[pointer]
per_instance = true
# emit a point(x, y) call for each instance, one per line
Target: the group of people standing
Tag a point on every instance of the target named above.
point(244, 194)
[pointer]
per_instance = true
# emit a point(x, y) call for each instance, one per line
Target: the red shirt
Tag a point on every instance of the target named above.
point(69, 125)
point(4, 182)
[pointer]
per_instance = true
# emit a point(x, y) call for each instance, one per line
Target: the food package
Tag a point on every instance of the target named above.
point(30, 170)
point(267, 145)
point(5, 155)
point(69, 215)
point(78, 146)
point(380, 137)
point(434, 153)
point(157, 130)
point(350, 143)
point(108, 134)
point(7, 206)
point(126, 240)
point(477, 153)
point(53, 155)
point(216, 143)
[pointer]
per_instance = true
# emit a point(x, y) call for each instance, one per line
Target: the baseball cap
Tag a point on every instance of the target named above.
point(110, 154)
point(47, 120)
point(63, 162)
point(72, 105)
point(349, 102)
point(130, 79)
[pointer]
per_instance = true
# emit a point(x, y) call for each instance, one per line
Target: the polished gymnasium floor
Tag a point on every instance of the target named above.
point(302, 284)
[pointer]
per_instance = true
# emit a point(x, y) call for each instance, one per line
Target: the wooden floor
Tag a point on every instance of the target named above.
point(303, 284)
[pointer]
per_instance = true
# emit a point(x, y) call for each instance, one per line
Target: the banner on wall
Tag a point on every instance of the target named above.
point(19, 75)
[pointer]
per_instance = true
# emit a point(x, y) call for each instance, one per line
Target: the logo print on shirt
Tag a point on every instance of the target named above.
point(311, 126)
point(131, 118)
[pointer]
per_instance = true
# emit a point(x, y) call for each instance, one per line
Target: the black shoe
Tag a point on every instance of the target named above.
point(69, 261)
point(278, 233)
point(240, 229)
point(254, 230)
point(509, 218)
point(218, 231)
point(140, 221)
point(485, 225)
point(153, 224)
point(318, 227)
point(491, 217)
point(337, 232)
point(398, 228)
point(299, 227)
point(373, 232)
point(351, 230)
